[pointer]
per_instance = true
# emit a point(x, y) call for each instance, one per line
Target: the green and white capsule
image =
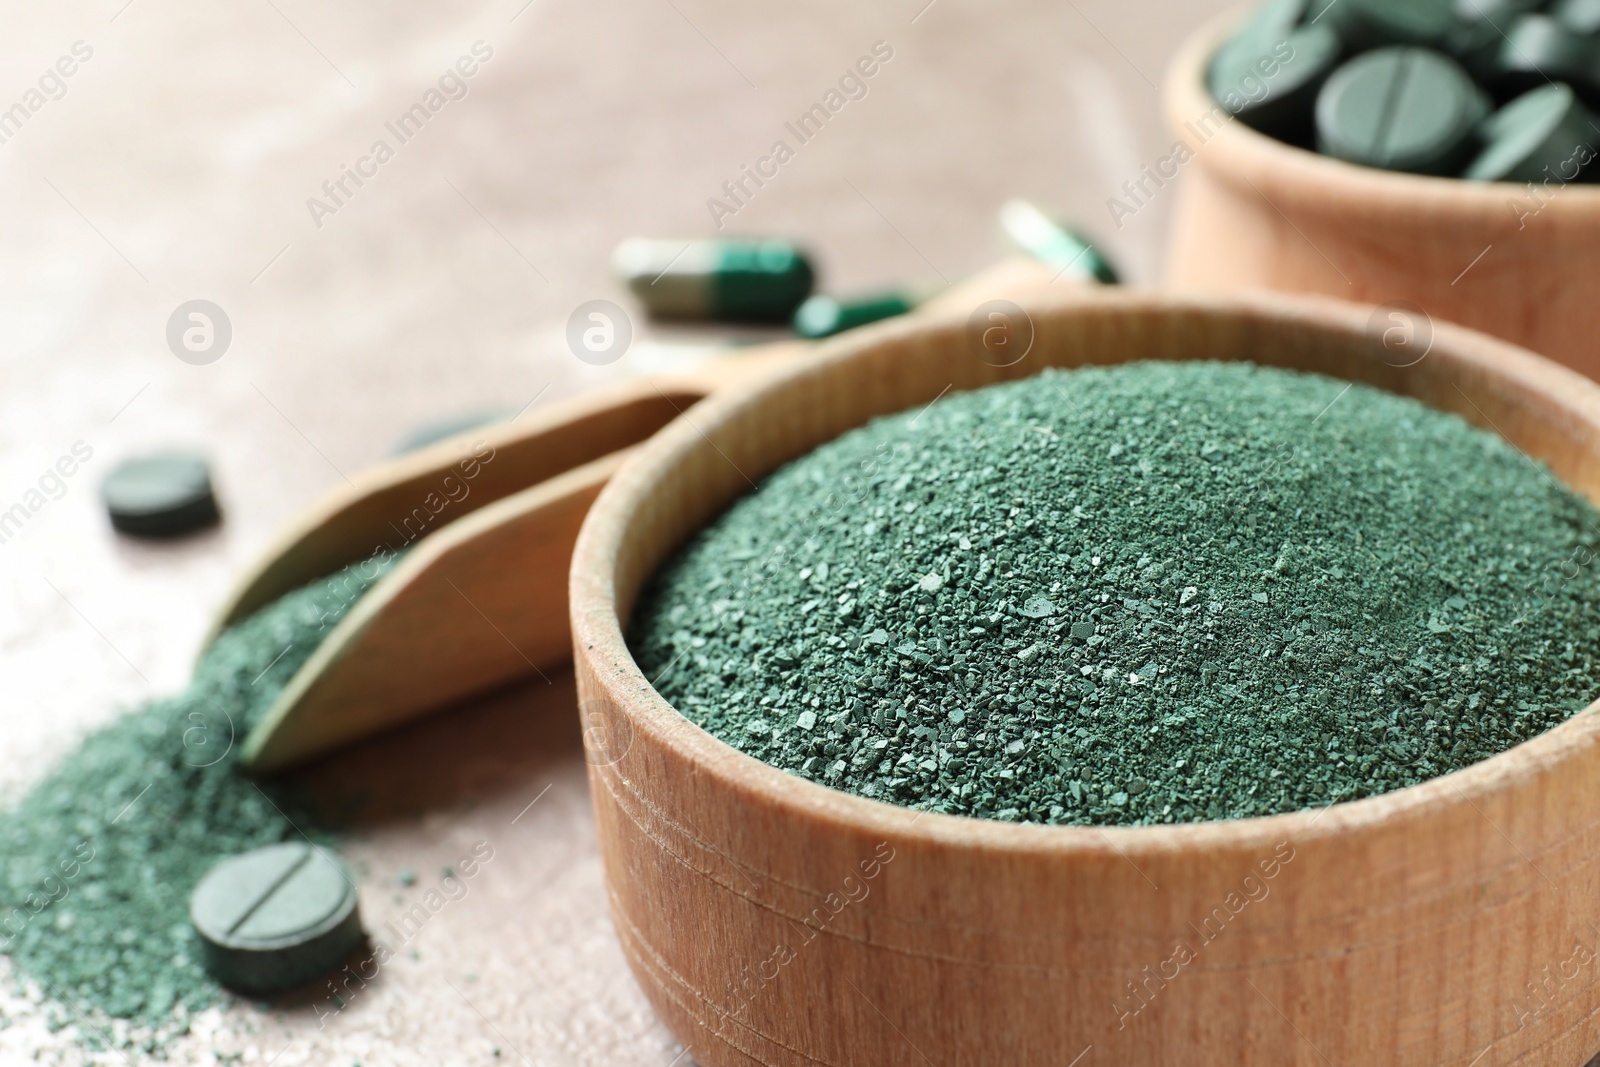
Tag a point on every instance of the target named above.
point(824, 316)
point(716, 280)
point(1038, 235)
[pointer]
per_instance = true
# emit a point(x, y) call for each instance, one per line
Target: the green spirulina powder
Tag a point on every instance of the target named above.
point(97, 860)
point(1152, 593)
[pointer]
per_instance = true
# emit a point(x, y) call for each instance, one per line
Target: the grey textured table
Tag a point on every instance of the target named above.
point(180, 161)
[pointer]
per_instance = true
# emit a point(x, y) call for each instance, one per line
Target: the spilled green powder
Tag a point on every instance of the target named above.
point(97, 860)
point(1150, 593)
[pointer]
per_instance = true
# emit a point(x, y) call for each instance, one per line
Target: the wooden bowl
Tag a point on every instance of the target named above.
point(774, 921)
point(1255, 212)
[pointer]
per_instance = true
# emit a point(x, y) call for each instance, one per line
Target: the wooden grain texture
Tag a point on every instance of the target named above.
point(1512, 260)
point(774, 921)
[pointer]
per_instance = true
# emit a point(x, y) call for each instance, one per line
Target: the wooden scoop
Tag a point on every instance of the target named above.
point(493, 514)
point(481, 598)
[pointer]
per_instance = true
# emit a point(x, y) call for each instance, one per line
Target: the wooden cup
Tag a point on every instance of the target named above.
point(1516, 261)
point(771, 920)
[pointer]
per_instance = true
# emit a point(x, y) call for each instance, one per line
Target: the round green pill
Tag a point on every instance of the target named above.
point(1254, 42)
point(1275, 90)
point(276, 918)
point(1543, 135)
point(1365, 24)
point(1402, 108)
point(1538, 50)
point(1478, 35)
point(1272, 22)
point(726, 280)
point(1579, 16)
point(163, 495)
point(824, 316)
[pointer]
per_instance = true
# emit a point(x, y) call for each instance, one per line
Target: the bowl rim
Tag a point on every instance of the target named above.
point(602, 651)
point(1248, 158)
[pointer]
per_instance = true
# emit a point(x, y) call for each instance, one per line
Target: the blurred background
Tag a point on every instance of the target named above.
point(186, 158)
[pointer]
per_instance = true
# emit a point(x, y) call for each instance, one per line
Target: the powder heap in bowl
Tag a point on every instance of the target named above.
point(1157, 592)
